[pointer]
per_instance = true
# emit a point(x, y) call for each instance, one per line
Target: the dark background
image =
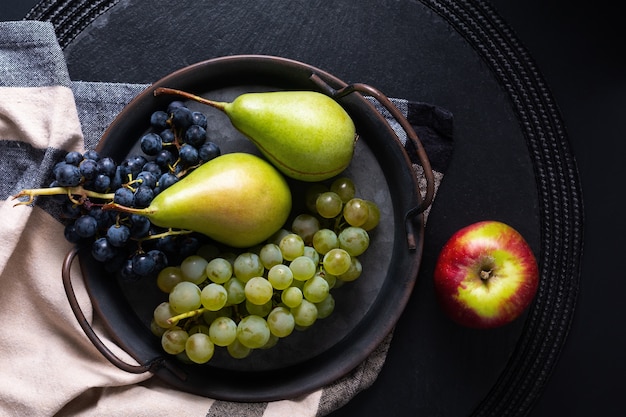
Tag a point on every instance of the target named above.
point(579, 48)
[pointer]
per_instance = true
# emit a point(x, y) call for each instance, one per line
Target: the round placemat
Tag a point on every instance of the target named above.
point(559, 196)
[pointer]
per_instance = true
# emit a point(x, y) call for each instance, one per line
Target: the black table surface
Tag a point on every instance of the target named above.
point(579, 49)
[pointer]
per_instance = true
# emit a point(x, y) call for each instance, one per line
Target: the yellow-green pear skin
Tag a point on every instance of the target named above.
point(237, 199)
point(306, 135)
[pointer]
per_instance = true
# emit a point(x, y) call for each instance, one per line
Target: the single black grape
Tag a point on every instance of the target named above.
point(143, 264)
point(89, 169)
point(159, 257)
point(147, 178)
point(158, 119)
point(86, 226)
point(165, 159)
point(151, 144)
point(167, 136)
point(199, 119)
point(174, 105)
point(182, 117)
point(107, 166)
point(124, 197)
point(92, 155)
point(118, 235)
point(209, 151)
point(153, 168)
point(102, 250)
point(73, 158)
point(103, 218)
point(70, 233)
point(126, 271)
point(195, 135)
point(143, 196)
point(166, 180)
point(101, 183)
point(139, 226)
point(188, 155)
point(68, 175)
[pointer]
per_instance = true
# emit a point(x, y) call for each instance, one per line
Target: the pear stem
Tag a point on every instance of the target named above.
point(130, 210)
point(165, 90)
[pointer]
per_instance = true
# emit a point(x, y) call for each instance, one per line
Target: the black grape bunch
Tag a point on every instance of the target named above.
point(84, 183)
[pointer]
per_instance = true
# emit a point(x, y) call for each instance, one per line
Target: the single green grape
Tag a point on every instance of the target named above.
point(325, 307)
point(236, 291)
point(168, 278)
point(292, 297)
point(271, 342)
point(329, 205)
point(336, 261)
point(305, 314)
point(219, 270)
point(258, 310)
point(354, 240)
point(353, 272)
point(344, 187)
point(316, 289)
point(292, 246)
point(213, 297)
point(270, 255)
point(156, 329)
point(223, 331)
point(305, 226)
point(373, 217)
point(281, 322)
point(248, 265)
point(253, 332)
point(199, 348)
point(193, 269)
point(310, 252)
point(331, 279)
point(280, 276)
point(198, 328)
point(356, 212)
point(237, 350)
point(162, 313)
point(173, 340)
point(303, 268)
point(325, 240)
point(209, 316)
point(258, 290)
point(185, 296)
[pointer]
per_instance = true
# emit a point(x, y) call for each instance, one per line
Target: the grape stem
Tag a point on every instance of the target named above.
point(164, 90)
point(70, 191)
point(170, 232)
point(174, 320)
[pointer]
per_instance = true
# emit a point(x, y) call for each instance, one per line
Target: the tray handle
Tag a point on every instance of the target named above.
point(429, 175)
point(89, 332)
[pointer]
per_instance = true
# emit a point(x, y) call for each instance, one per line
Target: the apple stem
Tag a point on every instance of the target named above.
point(485, 275)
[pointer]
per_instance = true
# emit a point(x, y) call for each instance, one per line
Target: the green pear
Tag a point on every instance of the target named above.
point(237, 199)
point(306, 135)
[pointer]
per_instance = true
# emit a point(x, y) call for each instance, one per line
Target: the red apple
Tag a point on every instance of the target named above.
point(486, 275)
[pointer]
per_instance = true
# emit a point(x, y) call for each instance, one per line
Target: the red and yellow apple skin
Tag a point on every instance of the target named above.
point(486, 275)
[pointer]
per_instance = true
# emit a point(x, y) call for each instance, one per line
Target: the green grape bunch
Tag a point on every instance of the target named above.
point(252, 299)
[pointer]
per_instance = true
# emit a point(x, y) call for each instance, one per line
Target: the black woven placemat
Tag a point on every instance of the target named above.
point(560, 200)
point(559, 191)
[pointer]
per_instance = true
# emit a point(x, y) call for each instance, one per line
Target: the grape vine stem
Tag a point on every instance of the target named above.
point(70, 191)
point(174, 320)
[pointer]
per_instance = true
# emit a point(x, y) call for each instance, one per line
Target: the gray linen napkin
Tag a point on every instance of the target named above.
point(44, 114)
